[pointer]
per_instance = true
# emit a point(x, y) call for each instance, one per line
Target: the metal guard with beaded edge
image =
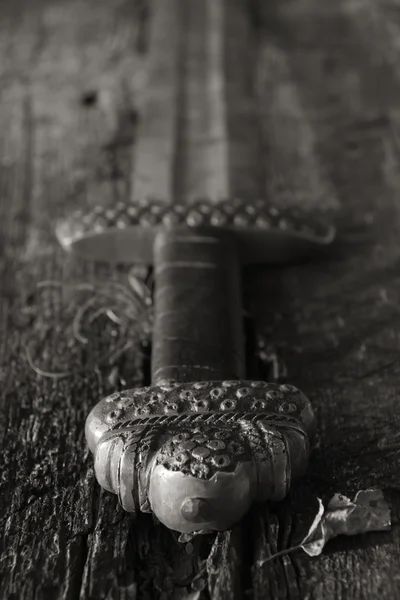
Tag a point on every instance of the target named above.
point(129, 230)
point(160, 448)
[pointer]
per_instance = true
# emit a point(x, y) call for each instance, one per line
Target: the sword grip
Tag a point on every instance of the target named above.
point(198, 326)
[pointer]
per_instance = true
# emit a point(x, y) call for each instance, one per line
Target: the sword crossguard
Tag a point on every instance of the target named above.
point(127, 231)
point(197, 455)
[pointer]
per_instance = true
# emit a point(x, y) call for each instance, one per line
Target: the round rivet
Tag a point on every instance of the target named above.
point(200, 385)
point(263, 222)
point(167, 386)
point(229, 209)
point(201, 453)
point(216, 445)
point(273, 211)
point(243, 392)
point(241, 220)
point(132, 211)
point(186, 395)
point(200, 406)
point(221, 460)
point(250, 209)
point(258, 384)
point(156, 397)
point(218, 218)
point(170, 219)
point(194, 218)
point(145, 202)
point(182, 458)
point(110, 214)
point(200, 439)
point(288, 407)
point(228, 405)
point(189, 445)
point(204, 208)
point(181, 437)
point(229, 383)
point(216, 392)
point(114, 414)
point(258, 404)
point(288, 388)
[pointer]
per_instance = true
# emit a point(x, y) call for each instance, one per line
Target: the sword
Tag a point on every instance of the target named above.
point(202, 443)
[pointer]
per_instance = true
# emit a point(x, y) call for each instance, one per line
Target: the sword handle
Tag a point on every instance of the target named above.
point(198, 328)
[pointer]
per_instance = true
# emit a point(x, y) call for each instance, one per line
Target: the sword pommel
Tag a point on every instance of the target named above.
point(198, 455)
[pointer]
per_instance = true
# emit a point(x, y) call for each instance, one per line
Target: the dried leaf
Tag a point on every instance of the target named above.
point(317, 520)
point(367, 512)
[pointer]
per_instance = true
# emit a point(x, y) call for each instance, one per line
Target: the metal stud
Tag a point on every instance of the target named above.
point(200, 385)
point(201, 453)
point(216, 444)
point(228, 404)
point(181, 437)
point(200, 405)
point(243, 392)
point(194, 219)
point(221, 460)
point(288, 407)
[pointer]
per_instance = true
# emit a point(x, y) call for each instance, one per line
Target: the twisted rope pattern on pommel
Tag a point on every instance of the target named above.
point(227, 214)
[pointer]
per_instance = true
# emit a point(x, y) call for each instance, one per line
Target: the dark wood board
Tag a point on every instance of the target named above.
point(328, 82)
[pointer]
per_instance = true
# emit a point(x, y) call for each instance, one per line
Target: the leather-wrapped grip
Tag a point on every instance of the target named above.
point(198, 329)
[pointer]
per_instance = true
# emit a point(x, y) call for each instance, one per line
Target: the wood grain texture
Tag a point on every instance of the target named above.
point(328, 91)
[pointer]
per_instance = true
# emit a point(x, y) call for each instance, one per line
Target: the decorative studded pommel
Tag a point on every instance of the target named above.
point(198, 455)
point(126, 232)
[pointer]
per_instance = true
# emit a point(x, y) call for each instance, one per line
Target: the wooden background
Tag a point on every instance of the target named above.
point(328, 81)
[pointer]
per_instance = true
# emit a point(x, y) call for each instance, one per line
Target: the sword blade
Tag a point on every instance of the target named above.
point(197, 137)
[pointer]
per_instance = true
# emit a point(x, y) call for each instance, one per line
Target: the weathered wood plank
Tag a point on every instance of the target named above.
point(66, 106)
point(328, 90)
